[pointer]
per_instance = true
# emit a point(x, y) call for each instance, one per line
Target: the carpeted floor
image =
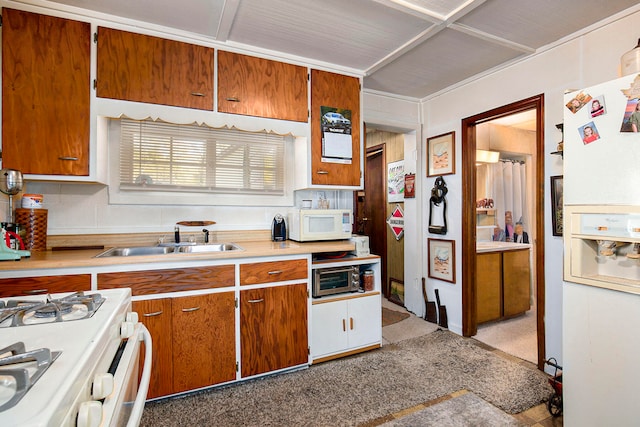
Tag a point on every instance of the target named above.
point(361, 388)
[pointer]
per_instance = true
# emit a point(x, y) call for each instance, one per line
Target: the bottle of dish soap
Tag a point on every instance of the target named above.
point(630, 61)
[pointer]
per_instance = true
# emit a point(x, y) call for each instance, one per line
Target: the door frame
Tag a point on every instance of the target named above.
point(469, 307)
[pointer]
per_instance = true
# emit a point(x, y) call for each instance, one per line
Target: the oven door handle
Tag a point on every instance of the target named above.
point(143, 387)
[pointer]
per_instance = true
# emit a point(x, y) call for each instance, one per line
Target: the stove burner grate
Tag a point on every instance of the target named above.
point(14, 361)
point(75, 306)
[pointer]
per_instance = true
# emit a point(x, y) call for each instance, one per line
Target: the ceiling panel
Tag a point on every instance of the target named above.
point(538, 23)
point(354, 33)
point(195, 16)
point(436, 64)
point(406, 47)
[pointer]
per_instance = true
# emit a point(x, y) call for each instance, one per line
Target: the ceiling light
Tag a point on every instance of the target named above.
point(485, 156)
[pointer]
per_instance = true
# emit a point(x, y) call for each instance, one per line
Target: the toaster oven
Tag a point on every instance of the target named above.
point(335, 280)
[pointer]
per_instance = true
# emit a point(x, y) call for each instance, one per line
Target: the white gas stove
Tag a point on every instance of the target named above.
point(72, 361)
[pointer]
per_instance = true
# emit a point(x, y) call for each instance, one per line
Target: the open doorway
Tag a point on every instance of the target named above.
point(470, 138)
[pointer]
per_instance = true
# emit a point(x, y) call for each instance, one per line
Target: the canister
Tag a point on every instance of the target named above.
point(367, 280)
point(32, 201)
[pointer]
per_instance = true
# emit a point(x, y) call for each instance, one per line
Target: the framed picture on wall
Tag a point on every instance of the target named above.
point(442, 262)
point(556, 205)
point(441, 154)
point(396, 291)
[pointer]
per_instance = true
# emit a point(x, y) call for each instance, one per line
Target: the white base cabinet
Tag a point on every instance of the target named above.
point(345, 326)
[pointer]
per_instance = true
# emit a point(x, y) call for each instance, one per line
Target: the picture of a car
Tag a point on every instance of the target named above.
point(335, 120)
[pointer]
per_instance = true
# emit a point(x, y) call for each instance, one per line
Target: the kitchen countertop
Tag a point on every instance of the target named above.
point(482, 247)
point(86, 257)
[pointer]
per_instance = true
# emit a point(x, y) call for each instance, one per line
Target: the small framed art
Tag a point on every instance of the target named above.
point(442, 262)
point(441, 154)
point(556, 205)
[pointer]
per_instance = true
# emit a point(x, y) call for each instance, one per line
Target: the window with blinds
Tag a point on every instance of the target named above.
point(161, 156)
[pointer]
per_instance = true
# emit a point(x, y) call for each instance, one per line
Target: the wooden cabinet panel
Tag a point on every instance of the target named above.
point(137, 67)
point(260, 87)
point(45, 94)
point(150, 282)
point(516, 282)
point(274, 271)
point(489, 286)
point(273, 328)
point(203, 340)
point(343, 93)
point(503, 284)
point(155, 314)
point(43, 285)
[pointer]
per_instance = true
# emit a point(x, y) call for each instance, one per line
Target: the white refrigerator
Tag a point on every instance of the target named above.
point(601, 232)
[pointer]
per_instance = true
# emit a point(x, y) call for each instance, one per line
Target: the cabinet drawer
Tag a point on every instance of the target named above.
point(274, 271)
point(171, 280)
point(44, 285)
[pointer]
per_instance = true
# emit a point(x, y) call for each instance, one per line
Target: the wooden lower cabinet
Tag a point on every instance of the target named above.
point(42, 285)
point(345, 325)
point(489, 286)
point(193, 341)
point(516, 279)
point(155, 314)
point(503, 284)
point(273, 328)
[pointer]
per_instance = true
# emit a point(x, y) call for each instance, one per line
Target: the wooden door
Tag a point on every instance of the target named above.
point(342, 93)
point(203, 340)
point(137, 67)
point(260, 87)
point(155, 314)
point(273, 328)
point(45, 94)
point(373, 218)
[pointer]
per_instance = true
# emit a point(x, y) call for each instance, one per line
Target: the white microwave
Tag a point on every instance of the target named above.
point(308, 225)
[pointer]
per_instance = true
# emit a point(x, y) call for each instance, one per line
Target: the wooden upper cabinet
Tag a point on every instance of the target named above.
point(340, 94)
point(46, 85)
point(137, 67)
point(260, 87)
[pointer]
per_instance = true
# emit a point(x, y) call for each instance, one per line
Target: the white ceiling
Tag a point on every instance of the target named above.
point(412, 48)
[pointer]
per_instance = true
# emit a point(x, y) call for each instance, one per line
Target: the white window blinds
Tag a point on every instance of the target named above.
point(156, 155)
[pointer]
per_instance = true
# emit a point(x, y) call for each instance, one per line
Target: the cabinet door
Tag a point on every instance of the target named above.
point(155, 314)
point(261, 87)
point(489, 286)
point(516, 282)
point(342, 93)
point(364, 321)
point(273, 328)
point(329, 328)
point(136, 67)
point(43, 285)
point(45, 94)
point(203, 340)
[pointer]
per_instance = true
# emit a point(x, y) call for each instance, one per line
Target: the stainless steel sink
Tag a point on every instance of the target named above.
point(136, 251)
point(213, 247)
point(161, 250)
